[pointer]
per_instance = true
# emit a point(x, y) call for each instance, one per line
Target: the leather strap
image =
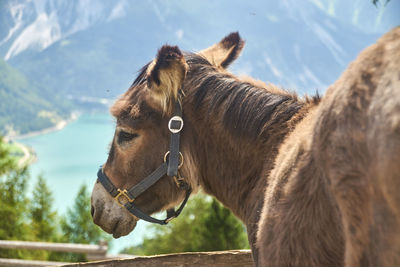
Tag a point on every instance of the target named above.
point(143, 185)
point(107, 184)
point(174, 159)
point(171, 213)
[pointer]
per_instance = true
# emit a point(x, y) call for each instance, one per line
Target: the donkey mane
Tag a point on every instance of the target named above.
point(245, 108)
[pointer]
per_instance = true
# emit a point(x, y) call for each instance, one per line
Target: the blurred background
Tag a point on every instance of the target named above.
point(62, 63)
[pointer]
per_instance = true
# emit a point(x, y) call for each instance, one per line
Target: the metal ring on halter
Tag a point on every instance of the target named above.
point(180, 156)
point(177, 119)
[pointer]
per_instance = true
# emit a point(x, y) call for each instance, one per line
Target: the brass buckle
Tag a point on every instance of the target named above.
point(179, 180)
point(123, 193)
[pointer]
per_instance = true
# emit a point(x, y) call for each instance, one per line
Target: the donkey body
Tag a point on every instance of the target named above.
point(333, 197)
point(313, 180)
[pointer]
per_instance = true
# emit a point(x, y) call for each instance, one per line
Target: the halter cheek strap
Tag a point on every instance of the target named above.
point(173, 160)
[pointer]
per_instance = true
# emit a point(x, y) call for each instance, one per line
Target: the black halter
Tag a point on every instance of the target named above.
point(173, 160)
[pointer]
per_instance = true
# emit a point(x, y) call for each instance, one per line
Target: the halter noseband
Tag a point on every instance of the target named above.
point(173, 160)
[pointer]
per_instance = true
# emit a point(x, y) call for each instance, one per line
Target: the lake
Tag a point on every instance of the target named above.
point(71, 157)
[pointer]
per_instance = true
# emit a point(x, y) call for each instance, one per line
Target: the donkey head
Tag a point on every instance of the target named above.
point(142, 136)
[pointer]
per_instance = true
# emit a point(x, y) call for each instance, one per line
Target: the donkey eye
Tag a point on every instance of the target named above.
point(125, 137)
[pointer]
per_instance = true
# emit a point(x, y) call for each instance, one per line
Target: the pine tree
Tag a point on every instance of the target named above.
point(204, 225)
point(13, 202)
point(42, 216)
point(177, 236)
point(219, 230)
point(78, 227)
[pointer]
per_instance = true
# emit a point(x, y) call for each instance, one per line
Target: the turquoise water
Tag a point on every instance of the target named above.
point(71, 157)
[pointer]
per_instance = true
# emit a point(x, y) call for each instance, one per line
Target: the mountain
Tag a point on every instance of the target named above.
point(23, 107)
point(93, 48)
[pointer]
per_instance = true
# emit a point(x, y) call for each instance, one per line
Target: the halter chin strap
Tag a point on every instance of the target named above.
point(173, 160)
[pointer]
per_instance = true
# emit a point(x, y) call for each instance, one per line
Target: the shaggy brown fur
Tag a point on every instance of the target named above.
point(334, 189)
point(314, 181)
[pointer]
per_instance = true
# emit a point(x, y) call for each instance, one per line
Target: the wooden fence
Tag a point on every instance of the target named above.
point(229, 258)
point(93, 252)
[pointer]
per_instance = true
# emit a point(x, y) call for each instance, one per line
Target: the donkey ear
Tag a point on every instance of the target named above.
point(225, 52)
point(165, 76)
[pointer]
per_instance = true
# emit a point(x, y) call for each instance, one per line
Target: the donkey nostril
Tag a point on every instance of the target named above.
point(92, 211)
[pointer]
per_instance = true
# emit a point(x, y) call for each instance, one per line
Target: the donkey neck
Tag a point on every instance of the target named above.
point(232, 133)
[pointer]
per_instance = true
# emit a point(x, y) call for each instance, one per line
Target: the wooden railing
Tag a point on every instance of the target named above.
point(229, 258)
point(93, 252)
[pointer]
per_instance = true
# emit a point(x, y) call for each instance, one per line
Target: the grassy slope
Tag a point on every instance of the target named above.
point(23, 106)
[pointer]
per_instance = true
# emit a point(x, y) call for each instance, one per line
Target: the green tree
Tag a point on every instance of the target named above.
point(204, 225)
point(78, 227)
point(219, 229)
point(177, 235)
point(13, 202)
point(13, 207)
point(7, 163)
point(43, 218)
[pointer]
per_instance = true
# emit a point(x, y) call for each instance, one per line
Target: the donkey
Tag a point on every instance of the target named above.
point(313, 180)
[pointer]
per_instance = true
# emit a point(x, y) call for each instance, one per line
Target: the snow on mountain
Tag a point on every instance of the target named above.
point(16, 14)
point(37, 24)
point(43, 32)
